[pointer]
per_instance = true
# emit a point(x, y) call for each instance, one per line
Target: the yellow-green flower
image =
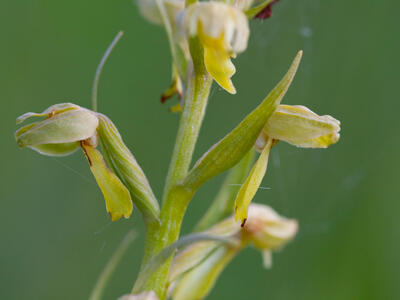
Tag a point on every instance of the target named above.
point(296, 125)
point(59, 134)
point(67, 127)
point(150, 9)
point(195, 270)
point(299, 126)
point(223, 31)
point(267, 230)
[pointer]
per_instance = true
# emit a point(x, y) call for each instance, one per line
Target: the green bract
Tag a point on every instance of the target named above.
point(125, 165)
point(230, 150)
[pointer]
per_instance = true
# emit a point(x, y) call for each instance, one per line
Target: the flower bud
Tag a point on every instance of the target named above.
point(223, 31)
point(148, 295)
point(299, 126)
point(195, 270)
point(266, 229)
point(236, 144)
point(59, 134)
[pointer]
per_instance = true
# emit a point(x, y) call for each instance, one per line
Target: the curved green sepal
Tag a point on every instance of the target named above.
point(126, 167)
point(66, 127)
point(52, 110)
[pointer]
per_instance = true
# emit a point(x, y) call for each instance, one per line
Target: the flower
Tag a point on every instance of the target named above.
point(59, 134)
point(299, 126)
point(296, 125)
point(151, 11)
point(66, 128)
point(223, 31)
point(267, 230)
point(195, 270)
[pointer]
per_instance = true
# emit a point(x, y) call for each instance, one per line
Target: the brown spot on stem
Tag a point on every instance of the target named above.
point(244, 222)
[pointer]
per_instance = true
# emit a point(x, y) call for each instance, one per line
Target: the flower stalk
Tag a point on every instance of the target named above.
point(176, 198)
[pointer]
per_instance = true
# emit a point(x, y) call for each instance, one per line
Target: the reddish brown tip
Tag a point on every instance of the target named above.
point(267, 11)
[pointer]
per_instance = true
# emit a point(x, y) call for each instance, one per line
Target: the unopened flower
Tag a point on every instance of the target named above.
point(195, 270)
point(299, 126)
point(296, 125)
point(267, 230)
point(223, 31)
point(67, 127)
point(59, 134)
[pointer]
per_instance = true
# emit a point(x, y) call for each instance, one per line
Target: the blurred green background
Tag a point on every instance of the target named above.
point(55, 233)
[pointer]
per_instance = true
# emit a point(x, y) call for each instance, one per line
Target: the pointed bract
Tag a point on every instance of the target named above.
point(230, 150)
point(126, 167)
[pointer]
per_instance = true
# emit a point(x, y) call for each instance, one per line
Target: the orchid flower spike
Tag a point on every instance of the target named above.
point(223, 30)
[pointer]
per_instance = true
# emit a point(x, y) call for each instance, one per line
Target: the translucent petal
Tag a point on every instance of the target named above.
point(62, 149)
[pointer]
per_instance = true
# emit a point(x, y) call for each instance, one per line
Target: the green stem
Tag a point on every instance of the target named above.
point(176, 198)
